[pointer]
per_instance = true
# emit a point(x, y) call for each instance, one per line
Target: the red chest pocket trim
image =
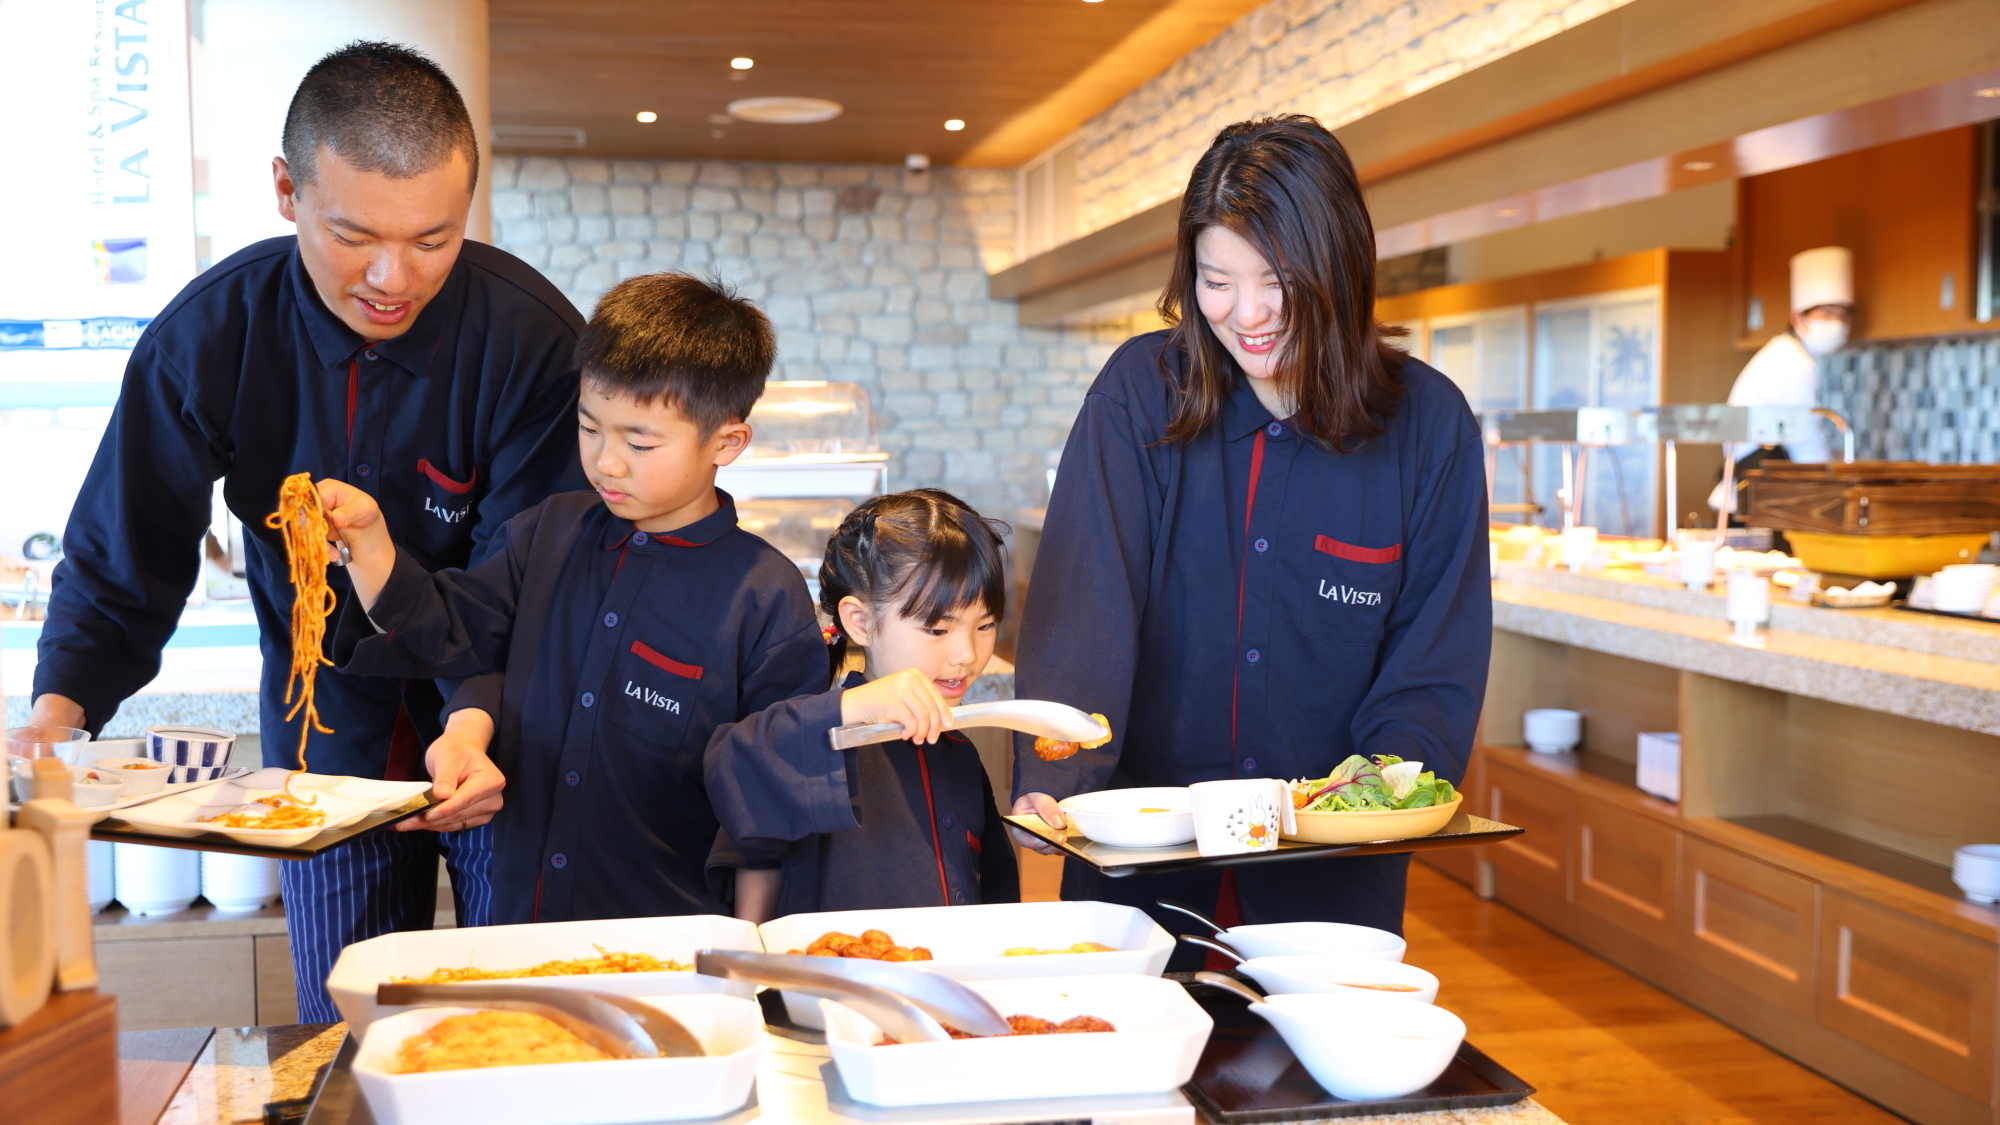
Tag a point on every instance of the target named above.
point(445, 482)
point(1331, 546)
point(977, 847)
point(646, 653)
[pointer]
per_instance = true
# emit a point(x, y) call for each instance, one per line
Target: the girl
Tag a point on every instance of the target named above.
point(915, 586)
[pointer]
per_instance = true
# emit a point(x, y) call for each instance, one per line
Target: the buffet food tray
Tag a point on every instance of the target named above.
point(1248, 1076)
point(1464, 830)
point(117, 831)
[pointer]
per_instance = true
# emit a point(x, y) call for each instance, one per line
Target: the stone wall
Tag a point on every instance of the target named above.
point(1334, 59)
point(870, 275)
point(1918, 400)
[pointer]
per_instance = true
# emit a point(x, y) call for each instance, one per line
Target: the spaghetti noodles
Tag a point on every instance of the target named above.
point(302, 523)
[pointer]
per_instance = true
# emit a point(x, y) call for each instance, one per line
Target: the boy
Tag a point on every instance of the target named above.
point(629, 623)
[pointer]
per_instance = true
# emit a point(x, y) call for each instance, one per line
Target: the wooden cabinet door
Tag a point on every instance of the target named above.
point(1626, 870)
point(1539, 856)
point(1750, 923)
point(1915, 992)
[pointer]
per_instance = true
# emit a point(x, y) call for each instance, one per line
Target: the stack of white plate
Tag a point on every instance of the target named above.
point(98, 863)
point(238, 882)
point(152, 880)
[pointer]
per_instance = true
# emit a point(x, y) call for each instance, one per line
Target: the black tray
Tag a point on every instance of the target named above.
point(119, 831)
point(1463, 831)
point(1979, 617)
point(1247, 1075)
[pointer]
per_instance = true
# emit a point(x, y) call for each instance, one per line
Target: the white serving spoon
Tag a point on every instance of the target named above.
point(1038, 717)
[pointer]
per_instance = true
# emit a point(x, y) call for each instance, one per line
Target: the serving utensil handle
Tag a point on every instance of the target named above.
point(863, 734)
point(1214, 926)
point(1214, 945)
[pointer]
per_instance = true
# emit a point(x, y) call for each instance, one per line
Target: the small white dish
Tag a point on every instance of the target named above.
point(1342, 975)
point(1975, 868)
point(1365, 1048)
point(1113, 816)
point(1313, 939)
point(140, 775)
point(1552, 730)
point(95, 792)
point(613, 1091)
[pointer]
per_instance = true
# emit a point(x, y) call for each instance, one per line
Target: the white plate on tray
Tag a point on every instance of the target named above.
point(419, 953)
point(970, 942)
point(128, 802)
point(343, 799)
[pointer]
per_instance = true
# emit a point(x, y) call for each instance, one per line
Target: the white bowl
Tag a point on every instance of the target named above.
point(1113, 817)
point(101, 866)
point(730, 1028)
point(140, 775)
point(154, 880)
point(1552, 730)
point(193, 753)
point(1342, 975)
point(1313, 939)
point(1364, 1048)
point(90, 794)
point(1975, 868)
point(419, 953)
point(1161, 1031)
point(238, 882)
point(970, 942)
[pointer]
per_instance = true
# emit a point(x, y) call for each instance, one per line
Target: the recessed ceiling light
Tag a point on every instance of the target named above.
point(954, 125)
point(1988, 92)
point(784, 110)
point(1508, 212)
point(647, 117)
point(1698, 166)
point(721, 119)
point(741, 63)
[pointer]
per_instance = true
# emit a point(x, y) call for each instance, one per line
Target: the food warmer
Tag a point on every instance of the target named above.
point(813, 456)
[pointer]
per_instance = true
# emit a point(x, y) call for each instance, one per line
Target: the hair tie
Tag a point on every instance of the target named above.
point(830, 634)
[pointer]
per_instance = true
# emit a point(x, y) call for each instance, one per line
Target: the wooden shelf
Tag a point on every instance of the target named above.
point(1889, 864)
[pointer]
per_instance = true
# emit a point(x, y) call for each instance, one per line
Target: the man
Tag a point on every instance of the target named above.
point(380, 347)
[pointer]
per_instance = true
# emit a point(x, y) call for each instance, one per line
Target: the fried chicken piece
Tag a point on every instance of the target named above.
point(1054, 750)
point(1030, 1025)
point(877, 938)
point(898, 953)
point(1080, 1024)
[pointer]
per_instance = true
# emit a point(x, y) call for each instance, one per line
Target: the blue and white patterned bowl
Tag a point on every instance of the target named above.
point(194, 753)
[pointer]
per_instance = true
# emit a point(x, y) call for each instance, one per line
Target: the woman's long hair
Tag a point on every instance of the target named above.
point(1286, 186)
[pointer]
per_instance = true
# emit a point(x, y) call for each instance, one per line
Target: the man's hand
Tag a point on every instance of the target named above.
point(357, 520)
point(1044, 806)
point(907, 697)
point(52, 710)
point(462, 776)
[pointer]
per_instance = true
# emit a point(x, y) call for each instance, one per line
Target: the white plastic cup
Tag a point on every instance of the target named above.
point(1698, 562)
point(1578, 544)
point(238, 882)
point(1976, 870)
point(1552, 730)
point(100, 863)
point(152, 880)
point(1749, 599)
point(1241, 816)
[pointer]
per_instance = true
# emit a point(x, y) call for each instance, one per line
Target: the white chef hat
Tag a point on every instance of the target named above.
point(1824, 276)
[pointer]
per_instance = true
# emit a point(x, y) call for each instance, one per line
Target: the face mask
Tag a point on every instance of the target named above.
point(1823, 337)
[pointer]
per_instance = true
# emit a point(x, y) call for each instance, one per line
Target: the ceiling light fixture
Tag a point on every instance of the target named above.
point(954, 125)
point(1698, 166)
point(1988, 92)
point(784, 110)
point(647, 117)
point(741, 63)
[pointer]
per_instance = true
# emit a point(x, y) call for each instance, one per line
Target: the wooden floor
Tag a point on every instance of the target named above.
point(1600, 1044)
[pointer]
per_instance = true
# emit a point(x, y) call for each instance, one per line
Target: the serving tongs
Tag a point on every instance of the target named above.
point(617, 1025)
point(1038, 717)
point(910, 1004)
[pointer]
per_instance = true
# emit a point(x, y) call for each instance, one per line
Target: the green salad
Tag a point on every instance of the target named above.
point(1361, 784)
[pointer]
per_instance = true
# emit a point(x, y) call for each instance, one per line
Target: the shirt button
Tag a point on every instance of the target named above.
point(1263, 545)
point(558, 861)
point(371, 353)
point(572, 777)
point(639, 538)
point(958, 897)
point(610, 620)
point(1248, 764)
point(947, 820)
point(589, 699)
point(1274, 429)
point(1252, 656)
point(363, 470)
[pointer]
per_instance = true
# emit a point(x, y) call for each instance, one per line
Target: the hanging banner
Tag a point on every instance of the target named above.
point(94, 99)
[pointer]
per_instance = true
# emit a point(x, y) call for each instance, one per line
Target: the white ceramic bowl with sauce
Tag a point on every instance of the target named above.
point(1342, 975)
point(1364, 1048)
point(140, 775)
point(1114, 816)
point(1313, 939)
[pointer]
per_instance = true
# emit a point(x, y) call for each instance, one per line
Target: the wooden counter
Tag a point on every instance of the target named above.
point(1800, 890)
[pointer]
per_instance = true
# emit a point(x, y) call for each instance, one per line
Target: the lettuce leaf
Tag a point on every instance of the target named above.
point(1360, 784)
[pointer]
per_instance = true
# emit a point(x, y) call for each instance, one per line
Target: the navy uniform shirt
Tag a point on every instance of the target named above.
point(893, 824)
point(1253, 604)
point(623, 651)
point(247, 376)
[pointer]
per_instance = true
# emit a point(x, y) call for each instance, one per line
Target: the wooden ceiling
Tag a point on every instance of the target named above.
point(1020, 73)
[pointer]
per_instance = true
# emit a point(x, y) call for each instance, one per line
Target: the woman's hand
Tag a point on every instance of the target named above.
point(1044, 806)
point(907, 697)
point(463, 778)
point(357, 520)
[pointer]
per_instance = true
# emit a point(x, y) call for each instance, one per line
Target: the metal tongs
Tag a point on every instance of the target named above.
point(1038, 717)
point(909, 1004)
point(617, 1025)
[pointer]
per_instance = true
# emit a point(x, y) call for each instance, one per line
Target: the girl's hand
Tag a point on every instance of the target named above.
point(907, 697)
point(357, 520)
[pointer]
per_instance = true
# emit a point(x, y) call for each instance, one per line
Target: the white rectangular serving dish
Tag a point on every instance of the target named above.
point(343, 799)
point(1161, 1031)
point(419, 953)
point(730, 1028)
point(970, 942)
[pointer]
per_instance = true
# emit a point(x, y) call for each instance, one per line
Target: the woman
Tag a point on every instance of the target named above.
point(1266, 549)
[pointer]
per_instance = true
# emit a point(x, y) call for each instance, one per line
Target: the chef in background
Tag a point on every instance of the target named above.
point(1785, 371)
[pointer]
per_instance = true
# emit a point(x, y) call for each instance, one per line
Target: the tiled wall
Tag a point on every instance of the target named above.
point(868, 274)
point(1921, 400)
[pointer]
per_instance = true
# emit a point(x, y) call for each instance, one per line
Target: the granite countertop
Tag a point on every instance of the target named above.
point(1938, 669)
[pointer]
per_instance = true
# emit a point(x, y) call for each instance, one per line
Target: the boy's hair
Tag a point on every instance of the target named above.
point(925, 552)
point(381, 107)
point(693, 343)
